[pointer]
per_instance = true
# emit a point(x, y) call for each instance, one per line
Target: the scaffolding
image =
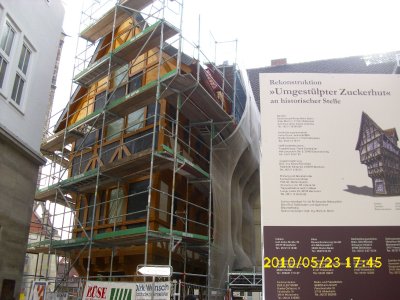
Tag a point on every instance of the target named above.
point(129, 177)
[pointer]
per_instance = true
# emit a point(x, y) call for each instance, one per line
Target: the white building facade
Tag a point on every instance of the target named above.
point(30, 33)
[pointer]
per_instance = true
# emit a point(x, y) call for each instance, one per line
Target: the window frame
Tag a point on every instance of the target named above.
point(8, 57)
point(24, 76)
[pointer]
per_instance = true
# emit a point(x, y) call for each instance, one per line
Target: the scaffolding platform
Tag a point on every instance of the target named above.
point(84, 181)
point(74, 132)
point(144, 41)
point(56, 141)
point(104, 25)
point(200, 105)
point(119, 238)
point(57, 158)
point(186, 168)
point(245, 281)
point(137, 164)
point(38, 247)
point(141, 97)
point(50, 194)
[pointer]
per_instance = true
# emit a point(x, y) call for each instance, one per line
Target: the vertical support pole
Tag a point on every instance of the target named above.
point(113, 249)
point(152, 287)
point(171, 221)
point(198, 52)
point(210, 213)
point(179, 58)
point(96, 193)
point(47, 220)
point(153, 144)
point(234, 82)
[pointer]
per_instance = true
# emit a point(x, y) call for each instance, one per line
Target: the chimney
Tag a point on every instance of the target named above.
point(278, 62)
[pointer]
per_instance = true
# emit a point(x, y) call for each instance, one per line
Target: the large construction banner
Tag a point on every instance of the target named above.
point(104, 290)
point(330, 186)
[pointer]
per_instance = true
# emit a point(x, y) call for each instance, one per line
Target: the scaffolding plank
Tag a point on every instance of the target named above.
point(55, 142)
point(91, 119)
point(79, 180)
point(104, 25)
point(112, 237)
point(138, 163)
point(57, 158)
point(47, 193)
point(184, 234)
point(97, 70)
point(200, 105)
point(141, 97)
point(187, 165)
point(199, 99)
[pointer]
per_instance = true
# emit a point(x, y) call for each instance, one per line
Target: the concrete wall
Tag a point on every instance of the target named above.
point(38, 23)
point(18, 175)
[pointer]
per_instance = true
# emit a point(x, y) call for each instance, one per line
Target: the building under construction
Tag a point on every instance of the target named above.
point(154, 161)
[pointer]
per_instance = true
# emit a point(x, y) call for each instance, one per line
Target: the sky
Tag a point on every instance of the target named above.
point(298, 30)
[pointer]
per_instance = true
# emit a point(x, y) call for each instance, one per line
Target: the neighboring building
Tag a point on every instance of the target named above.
point(39, 265)
point(381, 63)
point(379, 151)
point(29, 40)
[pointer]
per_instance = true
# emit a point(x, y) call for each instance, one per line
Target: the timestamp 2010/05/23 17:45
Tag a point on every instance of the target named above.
point(327, 262)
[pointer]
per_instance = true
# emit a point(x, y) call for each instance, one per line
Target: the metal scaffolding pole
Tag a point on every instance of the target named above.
point(158, 95)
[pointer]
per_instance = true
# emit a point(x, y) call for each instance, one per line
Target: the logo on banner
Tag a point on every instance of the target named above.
point(95, 292)
point(38, 290)
point(121, 294)
point(145, 291)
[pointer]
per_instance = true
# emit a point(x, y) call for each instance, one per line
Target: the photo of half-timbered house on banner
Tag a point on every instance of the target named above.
point(379, 151)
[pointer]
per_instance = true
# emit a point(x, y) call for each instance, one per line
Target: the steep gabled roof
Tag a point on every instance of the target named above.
point(365, 119)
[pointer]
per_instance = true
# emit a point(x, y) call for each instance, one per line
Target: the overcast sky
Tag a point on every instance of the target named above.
point(299, 30)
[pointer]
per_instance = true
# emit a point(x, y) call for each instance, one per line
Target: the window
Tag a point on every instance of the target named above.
point(24, 59)
point(102, 208)
point(135, 120)
point(81, 210)
point(17, 89)
point(120, 76)
point(117, 93)
point(135, 82)
point(114, 129)
point(137, 200)
point(100, 101)
point(150, 113)
point(20, 77)
point(6, 43)
point(89, 217)
point(3, 68)
point(116, 201)
point(7, 39)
